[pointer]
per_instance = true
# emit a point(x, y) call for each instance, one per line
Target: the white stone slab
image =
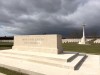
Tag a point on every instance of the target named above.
point(71, 65)
point(31, 53)
point(2, 74)
point(39, 43)
point(90, 67)
point(59, 60)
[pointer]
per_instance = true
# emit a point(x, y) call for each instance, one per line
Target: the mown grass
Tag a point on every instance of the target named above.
point(5, 45)
point(10, 72)
point(93, 48)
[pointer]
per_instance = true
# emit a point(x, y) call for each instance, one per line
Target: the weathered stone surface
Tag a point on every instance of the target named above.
point(39, 43)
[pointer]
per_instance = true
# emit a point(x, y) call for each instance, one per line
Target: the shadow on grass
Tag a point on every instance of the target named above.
point(5, 48)
point(10, 72)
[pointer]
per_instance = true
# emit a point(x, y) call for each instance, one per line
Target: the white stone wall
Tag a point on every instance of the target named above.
point(7, 41)
point(70, 40)
point(73, 40)
point(97, 41)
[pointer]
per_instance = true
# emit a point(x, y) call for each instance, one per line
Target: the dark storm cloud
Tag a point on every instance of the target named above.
point(48, 16)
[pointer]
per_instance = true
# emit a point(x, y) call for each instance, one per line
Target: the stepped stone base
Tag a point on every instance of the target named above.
point(2, 74)
point(59, 60)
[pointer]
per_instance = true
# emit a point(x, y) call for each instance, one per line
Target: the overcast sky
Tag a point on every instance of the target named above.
point(48, 16)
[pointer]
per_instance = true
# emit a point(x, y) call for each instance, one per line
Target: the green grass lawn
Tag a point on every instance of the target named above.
point(5, 45)
point(93, 48)
point(10, 72)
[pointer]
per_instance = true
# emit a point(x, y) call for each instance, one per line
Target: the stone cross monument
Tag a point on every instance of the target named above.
point(83, 39)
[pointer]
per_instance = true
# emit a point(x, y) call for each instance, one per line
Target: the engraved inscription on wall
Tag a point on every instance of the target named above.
point(32, 41)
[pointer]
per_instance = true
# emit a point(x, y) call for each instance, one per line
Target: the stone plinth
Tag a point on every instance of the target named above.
point(39, 43)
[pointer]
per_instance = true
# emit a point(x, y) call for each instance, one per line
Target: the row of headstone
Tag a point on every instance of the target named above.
point(73, 40)
point(70, 40)
point(7, 41)
point(97, 41)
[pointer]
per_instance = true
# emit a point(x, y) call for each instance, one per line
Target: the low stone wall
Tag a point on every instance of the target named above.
point(7, 41)
point(97, 41)
point(73, 40)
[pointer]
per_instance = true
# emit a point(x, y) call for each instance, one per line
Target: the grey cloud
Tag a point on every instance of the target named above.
point(48, 16)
